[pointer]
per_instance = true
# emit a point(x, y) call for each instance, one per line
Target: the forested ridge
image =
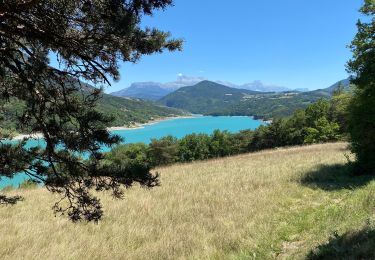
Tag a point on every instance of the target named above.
point(210, 98)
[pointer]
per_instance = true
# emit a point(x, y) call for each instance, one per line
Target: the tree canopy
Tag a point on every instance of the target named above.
point(362, 107)
point(88, 39)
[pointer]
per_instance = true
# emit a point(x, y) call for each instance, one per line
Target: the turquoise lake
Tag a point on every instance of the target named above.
point(178, 127)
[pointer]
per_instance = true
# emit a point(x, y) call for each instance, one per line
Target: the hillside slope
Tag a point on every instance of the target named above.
point(124, 110)
point(211, 98)
point(127, 110)
point(344, 83)
point(205, 97)
point(291, 203)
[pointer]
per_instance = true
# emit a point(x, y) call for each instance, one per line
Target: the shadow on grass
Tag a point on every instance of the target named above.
point(357, 245)
point(9, 200)
point(335, 177)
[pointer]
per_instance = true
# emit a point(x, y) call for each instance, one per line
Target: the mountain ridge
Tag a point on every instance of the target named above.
point(156, 90)
point(151, 90)
point(211, 98)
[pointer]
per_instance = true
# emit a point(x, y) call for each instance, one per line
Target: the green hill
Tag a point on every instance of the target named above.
point(345, 83)
point(125, 111)
point(273, 105)
point(210, 98)
point(295, 203)
point(205, 97)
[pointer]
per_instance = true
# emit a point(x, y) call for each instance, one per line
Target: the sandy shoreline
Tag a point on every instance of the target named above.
point(115, 128)
point(121, 128)
point(151, 122)
point(31, 136)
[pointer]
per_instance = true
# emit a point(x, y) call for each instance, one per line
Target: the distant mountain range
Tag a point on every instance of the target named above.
point(144, 90)
point(211, 98)
point(155, 90)
point(256, 85)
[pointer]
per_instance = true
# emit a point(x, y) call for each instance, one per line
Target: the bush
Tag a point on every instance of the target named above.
point(274, 135)
point(362, 130)
point(194, 147)
point(317, 110)
point(323, 131)
point(339, 110)
point(296, 128)
point(132, 157)
point(28, 184)
point(220, 144)
point(240, 141)
point(163, 151)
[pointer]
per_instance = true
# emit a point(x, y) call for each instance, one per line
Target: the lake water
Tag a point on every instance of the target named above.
point(178, 127)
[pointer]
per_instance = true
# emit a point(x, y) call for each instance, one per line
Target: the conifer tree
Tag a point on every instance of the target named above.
point(89, 38)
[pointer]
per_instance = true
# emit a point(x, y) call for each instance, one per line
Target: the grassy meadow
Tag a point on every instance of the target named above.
point(292, 203)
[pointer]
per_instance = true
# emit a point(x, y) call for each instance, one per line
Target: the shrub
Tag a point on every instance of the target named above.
point(194, 147)
point(323, 131)
point(132, 157)
point(240, 141)
point(163, 151)
point(317, 110)
point(221, 144)
point(28, 184)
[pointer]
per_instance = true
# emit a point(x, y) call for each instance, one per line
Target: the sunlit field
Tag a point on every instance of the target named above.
point(285, 203)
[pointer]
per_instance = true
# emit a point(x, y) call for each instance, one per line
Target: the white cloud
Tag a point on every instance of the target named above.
point(183, 81)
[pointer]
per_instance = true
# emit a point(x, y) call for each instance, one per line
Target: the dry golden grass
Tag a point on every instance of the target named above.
point(259, 205)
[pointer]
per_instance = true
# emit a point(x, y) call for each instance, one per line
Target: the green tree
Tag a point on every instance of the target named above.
point(163, 151)
point(274, 135)
point(240, 141)
point(88, 38)
point(132, 158)
point(220, 144)
point(362, 107)
point(323, 131)
point(340, 89)
point(194, 147)
point(316, 111)
point(339, 110)
point(296, 125)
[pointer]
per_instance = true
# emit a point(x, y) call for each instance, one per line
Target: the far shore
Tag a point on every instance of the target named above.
point(30, 136)
point(151, 122)
point(134, 126)
point(114, 128)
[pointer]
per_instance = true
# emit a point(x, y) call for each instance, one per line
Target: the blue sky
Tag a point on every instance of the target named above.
point(291, 43)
